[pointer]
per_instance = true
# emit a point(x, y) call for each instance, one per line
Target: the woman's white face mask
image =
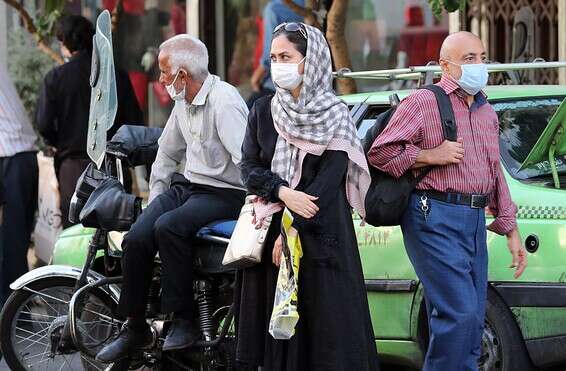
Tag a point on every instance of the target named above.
point(286, 75)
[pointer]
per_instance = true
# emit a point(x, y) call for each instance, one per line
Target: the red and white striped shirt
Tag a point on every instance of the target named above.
point(416, 125)
point(16, 132)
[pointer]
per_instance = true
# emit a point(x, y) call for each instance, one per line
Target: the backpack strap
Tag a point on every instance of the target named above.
point(449, 127)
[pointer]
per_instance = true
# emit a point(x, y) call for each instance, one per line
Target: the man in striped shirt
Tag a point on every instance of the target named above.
point(444, 226)
point(18, 184)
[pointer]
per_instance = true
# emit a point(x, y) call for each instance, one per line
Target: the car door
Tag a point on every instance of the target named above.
point(390, 279)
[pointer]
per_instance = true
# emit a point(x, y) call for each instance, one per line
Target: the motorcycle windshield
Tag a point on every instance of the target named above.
point(103, 98)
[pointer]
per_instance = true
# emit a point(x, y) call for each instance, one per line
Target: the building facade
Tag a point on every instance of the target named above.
point(381, 34)
point(519, 30)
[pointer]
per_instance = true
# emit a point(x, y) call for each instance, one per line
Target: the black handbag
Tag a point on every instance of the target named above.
point(387, 196)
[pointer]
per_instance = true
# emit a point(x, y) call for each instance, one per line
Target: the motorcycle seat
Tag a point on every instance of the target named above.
point(209, 247)
point(218, 232)
point(220, 228)
point(209, 255)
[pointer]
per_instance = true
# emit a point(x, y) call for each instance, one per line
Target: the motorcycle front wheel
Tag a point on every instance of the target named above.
point(32, 321)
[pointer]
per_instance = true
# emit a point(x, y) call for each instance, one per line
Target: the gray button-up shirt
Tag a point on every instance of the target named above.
point(206, 135)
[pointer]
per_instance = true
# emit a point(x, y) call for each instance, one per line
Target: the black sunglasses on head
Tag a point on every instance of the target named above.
point(292, 27)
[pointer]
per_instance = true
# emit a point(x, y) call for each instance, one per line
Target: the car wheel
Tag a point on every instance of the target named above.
point(503, 348)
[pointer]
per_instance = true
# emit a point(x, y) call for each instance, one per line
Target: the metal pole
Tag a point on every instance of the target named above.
point(414, 72)
point(3, 33)
point(220, 42)
point(454, 21)
point(193, 18)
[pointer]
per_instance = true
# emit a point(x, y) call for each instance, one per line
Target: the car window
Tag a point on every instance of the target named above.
point(521, 122)
point(369, 119)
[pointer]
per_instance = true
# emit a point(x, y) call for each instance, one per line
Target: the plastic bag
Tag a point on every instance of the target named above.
point(285, 315)
point(48, 225)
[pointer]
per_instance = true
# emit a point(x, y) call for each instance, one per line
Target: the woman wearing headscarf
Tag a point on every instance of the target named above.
point(301, 153)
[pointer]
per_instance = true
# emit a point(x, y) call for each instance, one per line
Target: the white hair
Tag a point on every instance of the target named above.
point(188, 52)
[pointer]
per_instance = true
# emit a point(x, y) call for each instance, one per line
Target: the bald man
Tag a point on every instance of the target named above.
point(203, 138)
point(444, 227)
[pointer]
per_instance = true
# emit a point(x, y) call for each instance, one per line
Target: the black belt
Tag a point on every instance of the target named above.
point(473, 201)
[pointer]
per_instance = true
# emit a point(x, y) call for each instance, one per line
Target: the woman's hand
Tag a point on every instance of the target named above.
point(277, 249)
point(298, 202)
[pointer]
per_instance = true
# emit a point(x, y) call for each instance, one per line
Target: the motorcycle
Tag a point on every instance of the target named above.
point(59, 317)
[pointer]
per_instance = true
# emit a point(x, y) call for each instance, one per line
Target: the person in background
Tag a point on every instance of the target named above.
point(18, 184)
point(64, 103)
point(274, 13)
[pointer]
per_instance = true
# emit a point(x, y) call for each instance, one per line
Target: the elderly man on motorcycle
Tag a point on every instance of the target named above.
point(203, 136)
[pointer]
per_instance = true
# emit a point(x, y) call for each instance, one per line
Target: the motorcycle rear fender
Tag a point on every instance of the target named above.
point(51, 271)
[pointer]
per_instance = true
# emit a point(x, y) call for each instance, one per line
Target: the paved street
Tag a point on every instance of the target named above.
point(4, 367)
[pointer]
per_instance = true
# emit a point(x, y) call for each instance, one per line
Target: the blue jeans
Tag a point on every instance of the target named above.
point(448, 250)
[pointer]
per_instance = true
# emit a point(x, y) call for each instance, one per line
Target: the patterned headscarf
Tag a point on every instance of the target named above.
point(317, 121)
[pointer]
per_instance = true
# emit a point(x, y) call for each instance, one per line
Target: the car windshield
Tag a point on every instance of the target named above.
point(521, 122)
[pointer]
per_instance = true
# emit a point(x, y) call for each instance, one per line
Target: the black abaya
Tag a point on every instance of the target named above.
point(334, 332)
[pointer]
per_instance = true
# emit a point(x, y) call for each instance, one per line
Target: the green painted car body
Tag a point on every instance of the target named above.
point(394, 293)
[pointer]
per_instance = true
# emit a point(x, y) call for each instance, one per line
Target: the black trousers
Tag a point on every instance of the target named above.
point(18, 196)
point(68, 172)
point(167, 226)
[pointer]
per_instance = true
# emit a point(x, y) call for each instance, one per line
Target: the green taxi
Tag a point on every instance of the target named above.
point(526, 318)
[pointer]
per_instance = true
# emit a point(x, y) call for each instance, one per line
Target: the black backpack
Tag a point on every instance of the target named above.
point(387, 197)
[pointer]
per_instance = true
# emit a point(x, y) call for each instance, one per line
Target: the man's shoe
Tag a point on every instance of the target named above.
point(129, 341)
point(182, 334)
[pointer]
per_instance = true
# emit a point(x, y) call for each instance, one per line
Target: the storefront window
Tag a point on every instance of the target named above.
point(386, 34)
point(380, 34)
point(142, 25)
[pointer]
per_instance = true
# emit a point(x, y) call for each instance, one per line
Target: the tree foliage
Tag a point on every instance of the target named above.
point(27, 66)
point(438, 6)
point(46, 19)
point(41, 25)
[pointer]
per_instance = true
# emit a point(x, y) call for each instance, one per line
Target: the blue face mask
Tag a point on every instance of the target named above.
point(474, 77)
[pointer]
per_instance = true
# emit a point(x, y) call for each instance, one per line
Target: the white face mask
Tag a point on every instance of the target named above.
point(474, 77)
point(286, 75)
point(172, 92)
